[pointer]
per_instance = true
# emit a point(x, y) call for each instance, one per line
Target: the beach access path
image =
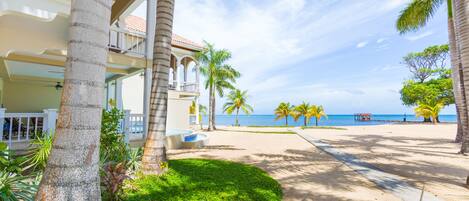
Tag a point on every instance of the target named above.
point(304, 171)
point(419, 154)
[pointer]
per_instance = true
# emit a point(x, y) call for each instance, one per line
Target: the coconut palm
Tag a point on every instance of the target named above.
point(415, 16)
point(431, 110)
point(283, 110)
point(154, 153)
point(303, 110)
point(317, 112)
point(295, 114)
point(219, 76)
point(237, 100)
point(461, 9)
point(73, 164)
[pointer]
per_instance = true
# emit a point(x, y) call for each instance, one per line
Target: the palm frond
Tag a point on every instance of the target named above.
point(416, 15)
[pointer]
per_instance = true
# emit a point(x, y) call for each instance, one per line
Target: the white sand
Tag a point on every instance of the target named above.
point(421, 154)
point(304, 172)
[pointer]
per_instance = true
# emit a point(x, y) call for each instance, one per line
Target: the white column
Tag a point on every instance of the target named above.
point(49, 121)
point(197, 77)
point(179, 68)
point(126, 127)
point(118, 94)
point(197, 112)
point(146, 99)
point(150, 36)
point(2, 121)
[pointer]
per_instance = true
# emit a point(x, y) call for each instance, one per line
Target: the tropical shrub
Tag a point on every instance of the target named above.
point(134, 159)
point(113, 147)
point(113, 176)
point(14, 187)
point(9, 163)
point(41, 146)
point(283, 110)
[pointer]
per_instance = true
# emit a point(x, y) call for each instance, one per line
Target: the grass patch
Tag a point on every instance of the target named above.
point(202, 179)
point(260, 132)
point(322, 127)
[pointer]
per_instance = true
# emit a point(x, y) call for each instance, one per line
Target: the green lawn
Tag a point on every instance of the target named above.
point(201, 179)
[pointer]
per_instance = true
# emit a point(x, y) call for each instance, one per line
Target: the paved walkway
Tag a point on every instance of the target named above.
point(389, 182)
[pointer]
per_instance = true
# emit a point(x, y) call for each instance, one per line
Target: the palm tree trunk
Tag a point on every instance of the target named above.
point(237, 112)
point(213, 111)
point(73, 165)
point(305, 123)
point(461, 12)
point(154, 154)
point(316, 121)
point(210, 109)
point(459, 96)
point(286, 120)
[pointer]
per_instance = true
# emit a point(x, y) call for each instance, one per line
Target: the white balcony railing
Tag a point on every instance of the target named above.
point(20, 127)
point(127, 42)
point(190, 87)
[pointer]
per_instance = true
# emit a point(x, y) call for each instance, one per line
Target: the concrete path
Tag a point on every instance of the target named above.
point(389, 182)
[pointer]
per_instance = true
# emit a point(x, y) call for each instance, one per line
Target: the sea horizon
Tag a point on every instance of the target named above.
point(331, 120)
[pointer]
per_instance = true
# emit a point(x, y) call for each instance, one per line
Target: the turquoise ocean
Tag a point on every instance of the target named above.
point(331, 120)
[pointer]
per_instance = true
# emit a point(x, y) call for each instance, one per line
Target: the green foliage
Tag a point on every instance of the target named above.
point(434, 90)
point(418, 13)
point(429, 110)
point(200, 179)
point(317, 112)
point(113, 176)
point(428, 63)
point(113, 147)
point(8, 162)
point(237, 100)
point(41, 146)
point(431, 81)
point(282, 111)
point(14, 187)
point(134, 159)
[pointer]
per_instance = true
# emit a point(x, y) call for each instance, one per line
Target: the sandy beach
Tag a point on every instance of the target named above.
point(420, 154)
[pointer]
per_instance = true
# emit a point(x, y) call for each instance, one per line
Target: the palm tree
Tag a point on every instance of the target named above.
point(154, 153)
point(219, 76)
point(303, 110)
point(295, 114)
point(317, 112)
point(461, 9)
point(73, 161)
point(283, 110)
point(237, 100)
point(429, 110)
point(415, 16)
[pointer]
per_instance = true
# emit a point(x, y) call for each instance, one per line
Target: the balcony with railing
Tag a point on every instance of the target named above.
point(127, 42)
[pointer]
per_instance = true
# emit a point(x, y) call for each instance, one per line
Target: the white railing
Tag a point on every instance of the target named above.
point(20, 127)
point(127, 42)
point(190, 87)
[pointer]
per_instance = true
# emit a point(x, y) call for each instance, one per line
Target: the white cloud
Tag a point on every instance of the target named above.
point(362, 44)
point(419, 36)
point(381, 40)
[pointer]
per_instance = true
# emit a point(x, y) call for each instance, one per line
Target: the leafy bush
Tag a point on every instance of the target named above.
point(9, 163)
point(134, 160)
point(15, 187)
point(113, 147)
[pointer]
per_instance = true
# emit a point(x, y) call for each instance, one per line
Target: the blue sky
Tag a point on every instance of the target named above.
point(342, 54)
